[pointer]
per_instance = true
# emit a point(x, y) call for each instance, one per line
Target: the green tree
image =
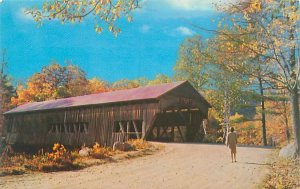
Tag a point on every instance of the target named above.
point(191, 62)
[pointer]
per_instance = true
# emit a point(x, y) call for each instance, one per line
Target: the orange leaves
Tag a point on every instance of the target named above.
point(56, 147)
point(52, 82)
point(140, 144)
point(99, 152)
point(23, 96)
point(59, 153)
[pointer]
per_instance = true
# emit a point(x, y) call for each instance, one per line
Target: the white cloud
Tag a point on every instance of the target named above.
point(186, 5)
point(21, 15)
point(184, 31)
point(180, 8)
point(191, 5)
point(145, 28)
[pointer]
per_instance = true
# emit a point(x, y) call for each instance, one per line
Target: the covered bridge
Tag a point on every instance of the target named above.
point(166, 112)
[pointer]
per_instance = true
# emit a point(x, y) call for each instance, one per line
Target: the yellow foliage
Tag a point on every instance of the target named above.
point(97, 86)
point(99, 152)
point(236, 118)
point(284, 173)
point(59, 153)
point(255, 6)
point(140, 144)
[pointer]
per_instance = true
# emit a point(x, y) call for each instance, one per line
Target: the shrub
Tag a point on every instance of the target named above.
point(57, 160)
point(139, 144)
point(59, 154)
point(219, 140)
point(210, 138)
point(99, 152)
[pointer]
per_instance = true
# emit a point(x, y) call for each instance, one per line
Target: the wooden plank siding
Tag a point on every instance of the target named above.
point(178, 113)
point(32, 128)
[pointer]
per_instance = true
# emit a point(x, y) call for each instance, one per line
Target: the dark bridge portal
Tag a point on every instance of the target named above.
point(181, 125)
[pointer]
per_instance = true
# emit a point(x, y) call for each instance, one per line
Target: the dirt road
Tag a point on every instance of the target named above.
point(177, 166)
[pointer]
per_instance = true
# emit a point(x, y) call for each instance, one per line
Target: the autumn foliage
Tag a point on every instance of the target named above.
point(56, 81)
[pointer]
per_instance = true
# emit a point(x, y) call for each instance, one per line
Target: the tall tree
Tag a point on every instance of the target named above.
point(227, 92)
point(200, 63)
point(275, 24)
point(238, 59)
point(105, 12)
point(6, 90)
point(191, 62)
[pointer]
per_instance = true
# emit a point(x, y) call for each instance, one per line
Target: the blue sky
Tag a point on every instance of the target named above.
point(145, 47)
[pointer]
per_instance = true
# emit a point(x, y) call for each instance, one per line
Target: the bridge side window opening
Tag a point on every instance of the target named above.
point(131, 128)
point(69, 128)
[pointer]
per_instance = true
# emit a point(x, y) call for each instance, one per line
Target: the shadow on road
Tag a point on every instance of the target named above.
point(253, 163)
point(214, 144)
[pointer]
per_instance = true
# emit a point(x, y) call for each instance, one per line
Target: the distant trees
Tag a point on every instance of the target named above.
point(98, 86)
point(105, 12)
point(125, 84)
point(56, 81)
point(6, 90)
point(53, 82)
point(160, 79)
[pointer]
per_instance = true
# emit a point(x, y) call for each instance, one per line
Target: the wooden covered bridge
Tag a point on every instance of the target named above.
point(166, 112)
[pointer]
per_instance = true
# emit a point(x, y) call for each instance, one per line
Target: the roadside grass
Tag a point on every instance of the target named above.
point(283, 173)
point(61, 159)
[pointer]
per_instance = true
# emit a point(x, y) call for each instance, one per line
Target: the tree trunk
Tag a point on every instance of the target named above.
point(226, 116)
point(2, 101)
point(295, 116)
point(1, 109)
point(263, 113)
point(294, 90)
point(286, 121)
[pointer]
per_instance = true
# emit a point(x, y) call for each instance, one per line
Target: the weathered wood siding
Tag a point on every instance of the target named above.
point(33, 128)
point(105, 123)
point(184, 97)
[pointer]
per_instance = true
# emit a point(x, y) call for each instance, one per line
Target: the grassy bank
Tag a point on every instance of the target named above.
point(283, 173)
point(60, 159)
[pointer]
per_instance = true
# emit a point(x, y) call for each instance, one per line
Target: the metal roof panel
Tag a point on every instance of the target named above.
point(140, 93)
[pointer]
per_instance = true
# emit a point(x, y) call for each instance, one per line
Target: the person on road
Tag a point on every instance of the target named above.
point(231, 142)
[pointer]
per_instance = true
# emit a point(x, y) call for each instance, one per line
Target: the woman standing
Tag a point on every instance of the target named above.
point(231, 143)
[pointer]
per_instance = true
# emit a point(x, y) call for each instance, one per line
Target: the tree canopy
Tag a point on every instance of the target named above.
point(273, 29)
point(53, 82)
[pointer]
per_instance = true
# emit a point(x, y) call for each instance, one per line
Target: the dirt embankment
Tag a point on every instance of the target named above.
point(177, 166)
